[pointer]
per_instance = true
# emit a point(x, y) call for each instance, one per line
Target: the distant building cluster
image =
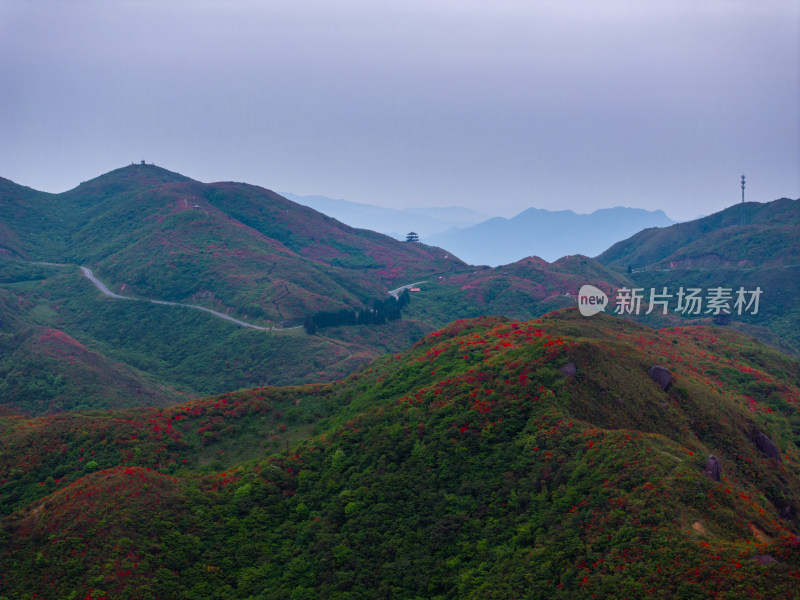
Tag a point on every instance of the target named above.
point(412, 237)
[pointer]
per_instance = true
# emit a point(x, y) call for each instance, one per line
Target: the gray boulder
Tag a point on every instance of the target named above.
point(569, 370)
point(766, 445)
point(713, 468)
point(661, 375)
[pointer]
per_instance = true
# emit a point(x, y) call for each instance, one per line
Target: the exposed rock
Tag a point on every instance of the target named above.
point(713, 468)
point(763, 559)
point(759, 533)
point(766, 445)
point(787, 512)
point(661, 375)
point(569, 370)
point(722, 319)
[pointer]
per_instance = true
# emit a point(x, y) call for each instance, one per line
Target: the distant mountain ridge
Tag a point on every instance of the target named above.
point(391, 221)
point(548, 234)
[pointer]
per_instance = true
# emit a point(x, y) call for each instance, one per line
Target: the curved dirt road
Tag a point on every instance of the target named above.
point(101, 286)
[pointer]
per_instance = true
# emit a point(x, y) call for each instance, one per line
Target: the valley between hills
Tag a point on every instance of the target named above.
point(476, 439)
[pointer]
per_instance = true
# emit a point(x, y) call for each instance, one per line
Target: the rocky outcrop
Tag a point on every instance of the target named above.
point(661, 375)
point(765, 444)
point(713, 468)
point(569, 370)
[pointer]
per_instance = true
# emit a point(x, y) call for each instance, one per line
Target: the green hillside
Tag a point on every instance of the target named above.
point(717, 251)
point(26, 223)
point(237, 249)
point(524, 289)
point(44, 370)
point(477, 464)
point(163, 348)
point(247, 252)
point(768, 238)
point(229, 246)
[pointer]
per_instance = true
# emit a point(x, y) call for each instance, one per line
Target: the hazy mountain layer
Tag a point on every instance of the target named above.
point(548, 234)
point(391, 221)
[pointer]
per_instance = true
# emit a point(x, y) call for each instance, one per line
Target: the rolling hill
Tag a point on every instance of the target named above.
point(229, 246)
point(44, 370)
point(718, 251)
point(525, 289)
point(165, 348)
point(494, 459)
point(768, 238)
point(237, 249)
point(245, 251)
point(562, 457)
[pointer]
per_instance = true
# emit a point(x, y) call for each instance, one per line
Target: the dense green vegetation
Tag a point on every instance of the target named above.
point(381, 311)
point(228, 246)
point(64, 346)
point(718, 251)
point(147, 232)
point(469, 466)
point(768, 238)
point(495, 458)
point(245, 251)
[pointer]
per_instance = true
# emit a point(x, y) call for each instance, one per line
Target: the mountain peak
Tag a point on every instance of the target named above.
point(135, 175)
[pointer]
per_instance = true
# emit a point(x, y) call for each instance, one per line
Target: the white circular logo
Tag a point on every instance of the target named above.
point(591, 300)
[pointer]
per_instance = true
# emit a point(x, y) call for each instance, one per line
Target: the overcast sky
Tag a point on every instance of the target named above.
point(495, 105)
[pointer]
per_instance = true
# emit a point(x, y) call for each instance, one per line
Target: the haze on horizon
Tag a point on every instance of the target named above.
point(493, 106)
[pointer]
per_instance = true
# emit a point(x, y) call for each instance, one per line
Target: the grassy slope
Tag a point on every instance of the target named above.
point(769, 238)
point(467, 466)
point(243, 248)
point(44, 370)
point(185, 349)
point(268, 260)
point(524, 289)
point(27, 221)
point(137, 228)
point(717, 251)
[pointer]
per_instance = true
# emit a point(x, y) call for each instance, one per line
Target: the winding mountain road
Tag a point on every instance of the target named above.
point(397, 291)
point(101, 286)
point(87, 272)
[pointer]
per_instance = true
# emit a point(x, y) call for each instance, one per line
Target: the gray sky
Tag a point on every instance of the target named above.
point(495, 105)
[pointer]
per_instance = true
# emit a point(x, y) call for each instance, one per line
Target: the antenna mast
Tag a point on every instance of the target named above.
point(743, 219)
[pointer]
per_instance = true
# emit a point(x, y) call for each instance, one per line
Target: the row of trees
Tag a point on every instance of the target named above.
point(381, 311)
